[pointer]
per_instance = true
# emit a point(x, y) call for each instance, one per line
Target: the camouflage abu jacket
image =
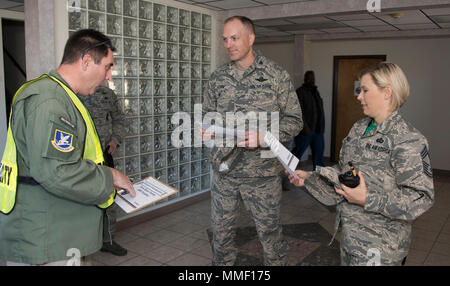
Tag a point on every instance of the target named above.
point(264, 87)
point(395, 163)
point(106, 114)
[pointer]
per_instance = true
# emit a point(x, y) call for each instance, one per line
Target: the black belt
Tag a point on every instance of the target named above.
point(27, 180)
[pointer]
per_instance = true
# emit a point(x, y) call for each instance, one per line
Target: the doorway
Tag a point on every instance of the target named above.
point(346, 108)
point(13, 35)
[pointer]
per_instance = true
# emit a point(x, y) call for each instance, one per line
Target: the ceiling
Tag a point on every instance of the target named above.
point(400, 20)
point(221, 5)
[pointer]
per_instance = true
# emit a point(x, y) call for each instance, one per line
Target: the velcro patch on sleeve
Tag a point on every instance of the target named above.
point(63, 141)
point(426, 162)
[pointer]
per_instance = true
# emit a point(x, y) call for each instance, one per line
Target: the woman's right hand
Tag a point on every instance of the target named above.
point(302, 175)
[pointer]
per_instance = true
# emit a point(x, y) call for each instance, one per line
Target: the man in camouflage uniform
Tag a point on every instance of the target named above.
point(108, 120)
point(249, 83)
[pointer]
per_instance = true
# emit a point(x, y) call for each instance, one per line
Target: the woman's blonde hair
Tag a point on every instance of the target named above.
point(384, 74)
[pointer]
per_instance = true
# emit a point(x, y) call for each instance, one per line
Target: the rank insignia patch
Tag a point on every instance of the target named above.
point(426, 162)
point(63, 141)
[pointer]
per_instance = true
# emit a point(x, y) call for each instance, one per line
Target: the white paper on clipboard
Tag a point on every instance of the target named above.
point(148, 192)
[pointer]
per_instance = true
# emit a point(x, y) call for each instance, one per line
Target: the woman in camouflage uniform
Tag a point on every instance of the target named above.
point(396, 184)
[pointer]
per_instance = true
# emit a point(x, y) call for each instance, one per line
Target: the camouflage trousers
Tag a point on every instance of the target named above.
point(357, 259)
point(262, 197)
point(371, 245)
point(109, 222)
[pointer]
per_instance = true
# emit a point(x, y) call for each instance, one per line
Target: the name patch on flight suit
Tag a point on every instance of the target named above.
point(66, 122)
point(63, 141)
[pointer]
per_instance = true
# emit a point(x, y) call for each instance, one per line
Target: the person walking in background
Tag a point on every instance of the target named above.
point(313, 121)
point(109, 121)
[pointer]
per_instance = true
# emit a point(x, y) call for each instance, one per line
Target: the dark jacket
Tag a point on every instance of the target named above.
point(312, 109)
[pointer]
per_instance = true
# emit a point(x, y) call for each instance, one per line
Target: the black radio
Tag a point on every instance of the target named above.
point(350, 178)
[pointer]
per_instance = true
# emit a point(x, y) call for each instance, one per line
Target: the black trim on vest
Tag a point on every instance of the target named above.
point(27, 180)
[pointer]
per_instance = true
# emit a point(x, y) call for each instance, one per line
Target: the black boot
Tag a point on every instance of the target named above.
point(114, 248)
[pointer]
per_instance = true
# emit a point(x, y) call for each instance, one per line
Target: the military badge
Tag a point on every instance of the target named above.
point(261, 79)
point(63, 141)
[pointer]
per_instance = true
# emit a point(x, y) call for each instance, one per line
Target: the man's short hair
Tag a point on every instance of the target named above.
point(84, 42)
point(248, 24)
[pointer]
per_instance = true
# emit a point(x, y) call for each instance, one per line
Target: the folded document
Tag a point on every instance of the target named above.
point(223, 131)
point(286, 158)
point(148, 191)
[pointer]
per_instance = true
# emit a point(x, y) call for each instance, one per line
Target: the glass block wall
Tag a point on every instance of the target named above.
point(162, 66)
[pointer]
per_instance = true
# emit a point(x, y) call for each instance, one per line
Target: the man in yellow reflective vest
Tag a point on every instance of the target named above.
point(50, 210)
point(109, 122)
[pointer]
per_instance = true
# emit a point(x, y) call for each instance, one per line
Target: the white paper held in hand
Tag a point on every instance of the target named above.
point(224, 131)
point(286, 158)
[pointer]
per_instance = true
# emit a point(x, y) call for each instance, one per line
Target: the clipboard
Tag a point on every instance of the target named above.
point(148, 192)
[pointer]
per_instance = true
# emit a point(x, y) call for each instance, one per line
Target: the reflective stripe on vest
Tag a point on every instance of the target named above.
point(8, 178)
point(8, 167)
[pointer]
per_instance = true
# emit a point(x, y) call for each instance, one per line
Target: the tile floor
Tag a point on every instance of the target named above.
point(180, 238)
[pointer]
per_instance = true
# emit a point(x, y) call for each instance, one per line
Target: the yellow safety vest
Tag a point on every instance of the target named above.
point(9, 168)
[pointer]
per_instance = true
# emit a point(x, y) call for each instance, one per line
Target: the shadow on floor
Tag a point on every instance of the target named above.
point(308, 246)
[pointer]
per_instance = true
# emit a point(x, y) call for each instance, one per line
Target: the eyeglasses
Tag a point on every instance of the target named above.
point(107, 43)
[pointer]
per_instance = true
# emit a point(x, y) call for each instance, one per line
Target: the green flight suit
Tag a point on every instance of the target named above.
point(59, 213)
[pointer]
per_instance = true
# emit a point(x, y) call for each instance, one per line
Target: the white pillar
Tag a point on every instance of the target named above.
point(39, 37)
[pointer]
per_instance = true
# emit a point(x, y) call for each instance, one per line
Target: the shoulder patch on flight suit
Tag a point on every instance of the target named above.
point(62, 141)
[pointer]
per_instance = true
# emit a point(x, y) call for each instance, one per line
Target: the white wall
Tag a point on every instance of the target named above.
point(284, 55)
point(281, 53)
point(426, 63)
